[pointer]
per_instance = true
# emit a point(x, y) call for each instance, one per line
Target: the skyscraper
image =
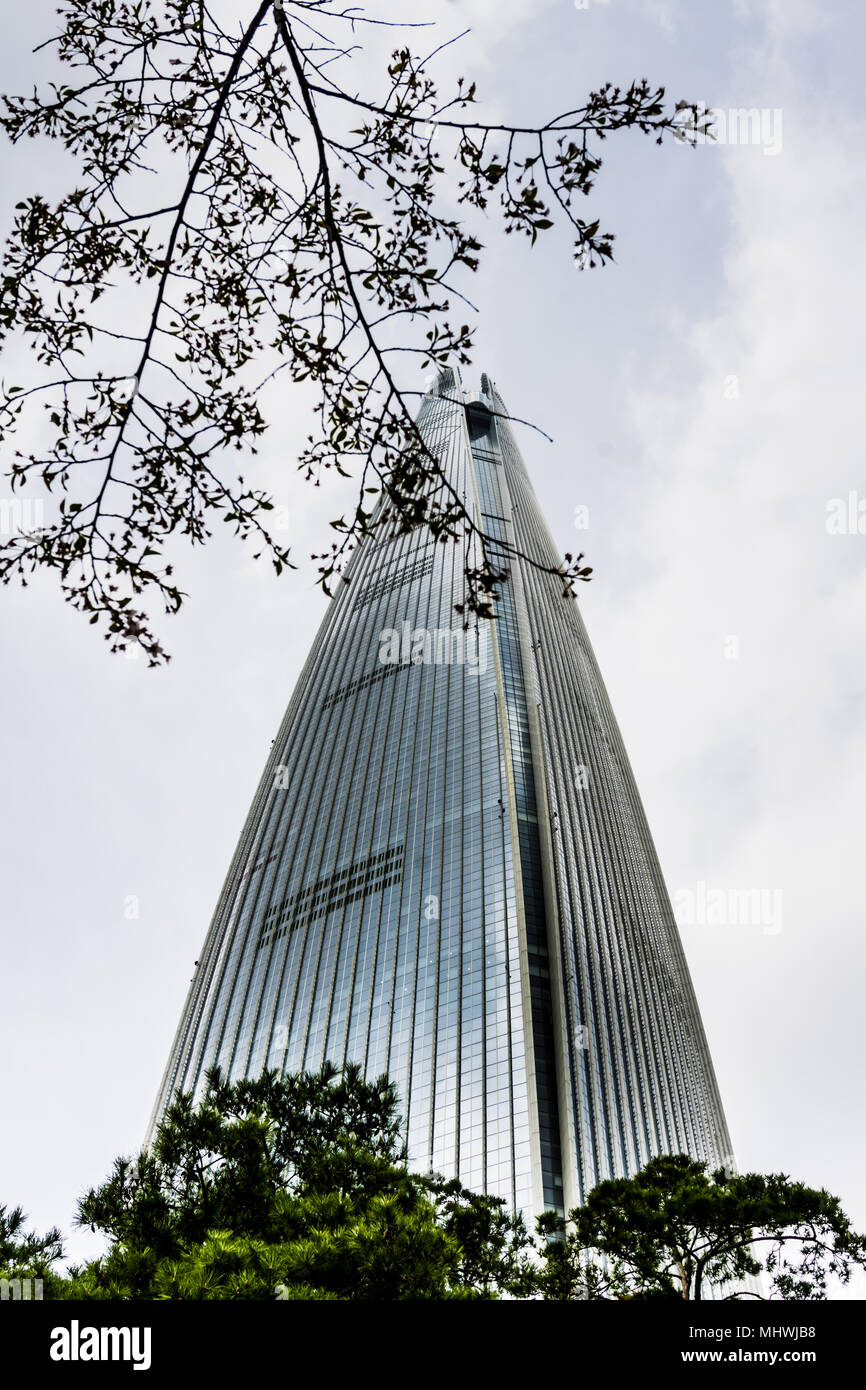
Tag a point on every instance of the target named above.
point(447, 875)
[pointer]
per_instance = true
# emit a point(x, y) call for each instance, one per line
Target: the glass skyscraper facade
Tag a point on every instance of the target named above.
point(447, 875)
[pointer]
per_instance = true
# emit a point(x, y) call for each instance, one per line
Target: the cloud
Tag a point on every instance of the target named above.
point(727, 528)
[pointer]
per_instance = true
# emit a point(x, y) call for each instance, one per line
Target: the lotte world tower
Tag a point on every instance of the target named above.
point(447, 875)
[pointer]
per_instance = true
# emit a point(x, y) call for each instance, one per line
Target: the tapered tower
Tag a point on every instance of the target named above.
point(447, 874)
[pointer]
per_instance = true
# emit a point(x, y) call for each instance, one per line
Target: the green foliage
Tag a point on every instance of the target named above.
point(673, 1230)
point(287, 1188)
point(26, 1255)
point(296, 1187)
point(20, 1248)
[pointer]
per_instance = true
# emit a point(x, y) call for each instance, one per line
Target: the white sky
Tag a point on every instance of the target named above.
point(707, 505)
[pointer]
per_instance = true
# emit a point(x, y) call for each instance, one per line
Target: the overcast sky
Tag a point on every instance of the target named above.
point(705, 399)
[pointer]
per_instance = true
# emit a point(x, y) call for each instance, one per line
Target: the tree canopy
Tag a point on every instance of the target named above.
point(292, 1187)
point(297, 1187)
point(25, 1254)
point(673, 1230)
point(241, 210)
